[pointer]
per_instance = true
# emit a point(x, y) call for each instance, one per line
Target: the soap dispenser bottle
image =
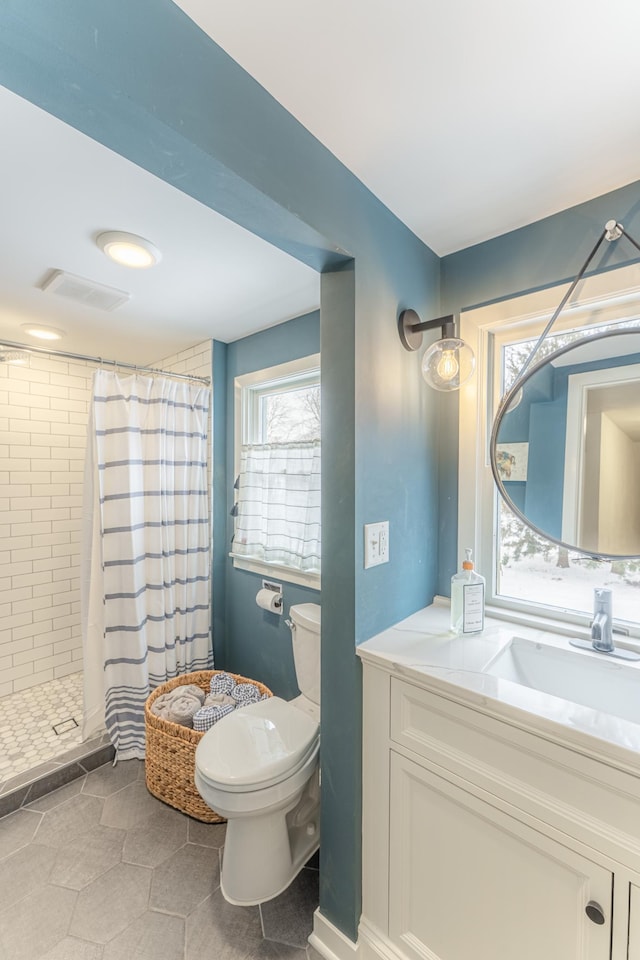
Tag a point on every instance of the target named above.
point(467, 599)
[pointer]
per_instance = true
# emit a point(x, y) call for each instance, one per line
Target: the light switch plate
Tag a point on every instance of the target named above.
point(376, 543)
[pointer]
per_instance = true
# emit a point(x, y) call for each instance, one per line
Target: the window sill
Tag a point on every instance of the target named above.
point(287, 574)
point(568, 625)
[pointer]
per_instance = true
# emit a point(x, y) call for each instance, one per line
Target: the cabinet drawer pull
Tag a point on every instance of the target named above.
point(594, 911)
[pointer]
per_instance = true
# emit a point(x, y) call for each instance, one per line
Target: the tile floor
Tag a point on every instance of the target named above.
point(27, 720)
point(101, 870)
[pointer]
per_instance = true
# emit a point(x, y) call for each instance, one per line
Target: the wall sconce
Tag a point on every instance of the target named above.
point(449, 362)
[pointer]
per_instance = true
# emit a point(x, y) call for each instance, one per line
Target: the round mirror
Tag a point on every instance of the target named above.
point(565, 446)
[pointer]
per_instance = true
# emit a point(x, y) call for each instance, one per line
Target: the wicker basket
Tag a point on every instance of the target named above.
point(171, 748)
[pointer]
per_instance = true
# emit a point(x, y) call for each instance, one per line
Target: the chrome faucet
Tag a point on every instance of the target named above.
point(602, 628)
point(602, 623)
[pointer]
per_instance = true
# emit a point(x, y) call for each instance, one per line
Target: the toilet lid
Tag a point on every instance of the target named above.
point(256, 745)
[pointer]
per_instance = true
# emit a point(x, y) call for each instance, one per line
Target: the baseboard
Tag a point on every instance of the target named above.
point(330, 942)
point(327, 941)
point(375, 946)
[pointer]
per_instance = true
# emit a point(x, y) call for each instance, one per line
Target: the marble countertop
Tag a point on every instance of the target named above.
point(422, 650)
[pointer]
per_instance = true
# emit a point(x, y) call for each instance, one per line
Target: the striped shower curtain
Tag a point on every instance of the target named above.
point(145, 596)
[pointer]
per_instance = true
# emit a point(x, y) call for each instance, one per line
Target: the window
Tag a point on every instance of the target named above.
point(277, 461)
point(526, 572)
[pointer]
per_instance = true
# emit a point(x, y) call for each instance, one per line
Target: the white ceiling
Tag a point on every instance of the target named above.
point(59, 188)
point(467, 119)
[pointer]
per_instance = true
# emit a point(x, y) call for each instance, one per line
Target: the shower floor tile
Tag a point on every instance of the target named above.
point(27, 721)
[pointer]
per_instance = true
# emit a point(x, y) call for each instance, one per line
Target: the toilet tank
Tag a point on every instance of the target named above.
point(305, 634)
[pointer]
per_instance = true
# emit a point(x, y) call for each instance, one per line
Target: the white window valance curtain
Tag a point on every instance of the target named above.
point(278, 506)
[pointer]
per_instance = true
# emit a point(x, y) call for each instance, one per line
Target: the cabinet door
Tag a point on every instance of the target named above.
point(469, 882)
point(634, 923)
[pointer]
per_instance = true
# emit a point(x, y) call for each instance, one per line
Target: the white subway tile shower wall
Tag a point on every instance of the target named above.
point(43, 420)
point(194, 360)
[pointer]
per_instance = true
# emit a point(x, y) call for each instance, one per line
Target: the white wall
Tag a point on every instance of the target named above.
point(43, 417)
point(43, 423)
point(619, 504)
point(195, 360)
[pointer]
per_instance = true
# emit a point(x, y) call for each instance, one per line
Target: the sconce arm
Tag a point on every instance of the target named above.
point(411, 327)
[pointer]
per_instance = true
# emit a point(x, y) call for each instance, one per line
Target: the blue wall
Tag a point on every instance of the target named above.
point(258, 643)
point(539, 420)
point(220, 547)
point(142, 79)
point(545, 477)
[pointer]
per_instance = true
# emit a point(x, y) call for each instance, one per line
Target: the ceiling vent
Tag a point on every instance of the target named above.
point(84, 291)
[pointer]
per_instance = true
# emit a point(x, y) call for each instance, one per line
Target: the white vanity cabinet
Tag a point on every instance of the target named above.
point(634, 923)
point(469, 881)
point(483, 840)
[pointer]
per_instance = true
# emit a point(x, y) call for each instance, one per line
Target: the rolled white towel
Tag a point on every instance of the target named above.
point(205, 718)
point(245, 693)
point(161, 706)
point(218, 699)
point(182, 709)
point(221, 683)
point(187, 689)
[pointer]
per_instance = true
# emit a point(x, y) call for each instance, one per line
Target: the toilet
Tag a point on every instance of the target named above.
point(259, 768)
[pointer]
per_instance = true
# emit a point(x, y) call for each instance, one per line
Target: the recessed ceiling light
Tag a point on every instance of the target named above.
point(42, 331)
point(128, 250)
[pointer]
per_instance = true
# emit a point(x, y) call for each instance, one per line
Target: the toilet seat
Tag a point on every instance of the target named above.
point(257, 746)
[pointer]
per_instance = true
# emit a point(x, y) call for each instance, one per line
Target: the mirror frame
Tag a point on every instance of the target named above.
point(502, 409)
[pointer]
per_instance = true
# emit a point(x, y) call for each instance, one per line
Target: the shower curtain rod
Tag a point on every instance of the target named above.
point(101, 361)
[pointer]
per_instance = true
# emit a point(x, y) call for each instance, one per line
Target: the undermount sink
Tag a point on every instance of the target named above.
point(592, 681)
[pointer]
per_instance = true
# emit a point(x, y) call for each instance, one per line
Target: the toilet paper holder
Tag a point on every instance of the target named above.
point(275, 588)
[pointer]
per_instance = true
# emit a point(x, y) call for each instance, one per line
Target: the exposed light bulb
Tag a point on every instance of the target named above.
point(515, 402)
point(448, 365)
